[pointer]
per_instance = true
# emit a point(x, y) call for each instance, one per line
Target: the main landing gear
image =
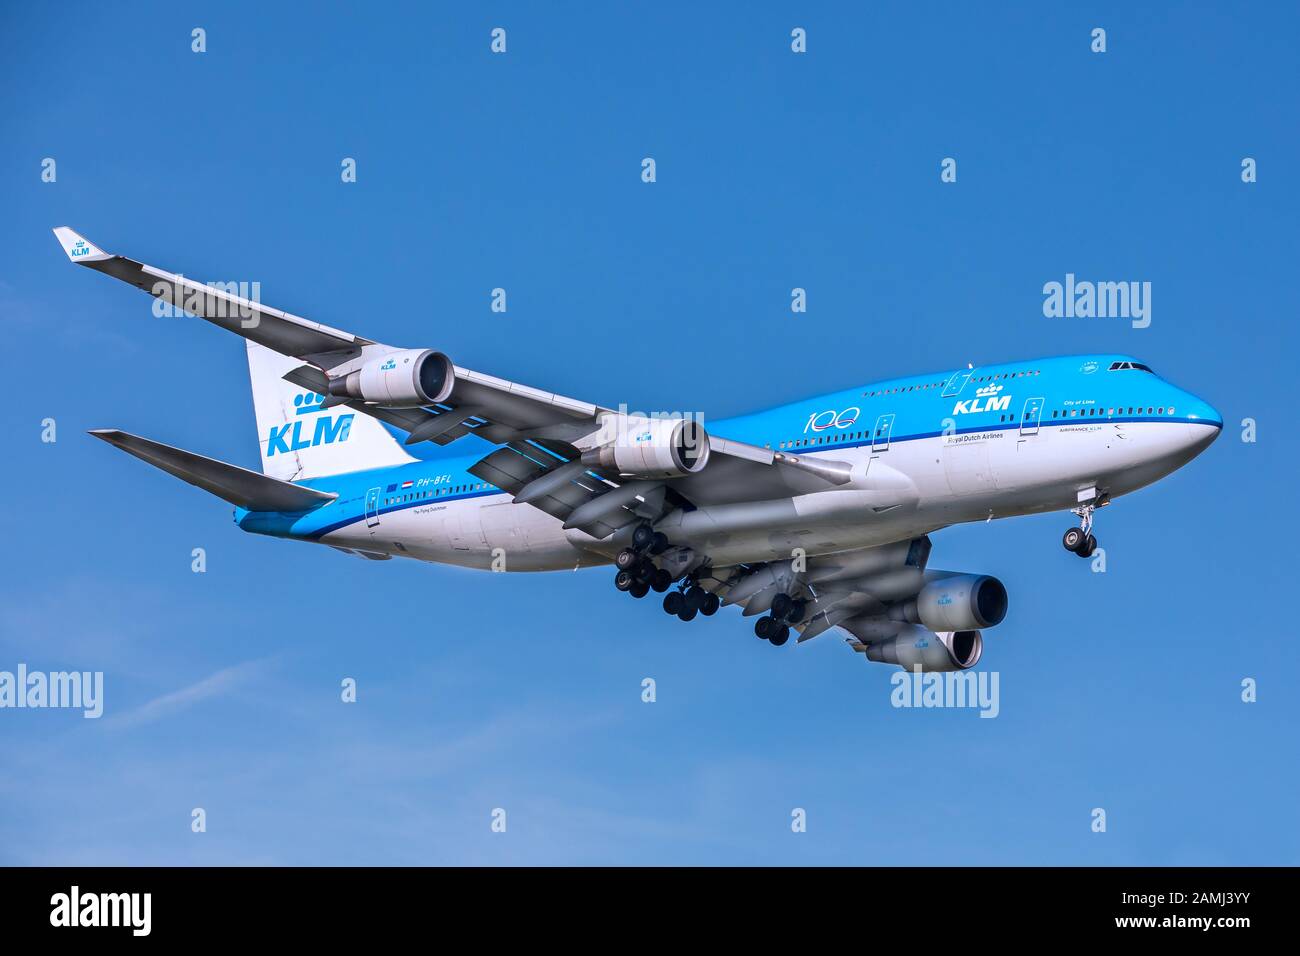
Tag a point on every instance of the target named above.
point(637, 574)
point(1081, 540)
point(691, 600)
point(776, 627)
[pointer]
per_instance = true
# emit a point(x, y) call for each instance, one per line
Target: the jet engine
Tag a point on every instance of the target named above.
point(645, 447)
point(915, 647)
point(958, 602)
point(409, 378)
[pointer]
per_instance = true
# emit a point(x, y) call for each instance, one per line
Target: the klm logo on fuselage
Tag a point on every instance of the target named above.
point(986, 400)
point(296, 436)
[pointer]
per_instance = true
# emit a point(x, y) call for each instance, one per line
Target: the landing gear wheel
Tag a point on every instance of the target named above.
point(797, 611)
point(711, 604)
point(781, 605)
point(1081, 540)
point(627, 559)
point(780, 634)
point(674, 603)
point(661, 580)
point(696, 596)
point(643, 537)
point(763, 627)
point(659, 544)
point(688, 613)
point(624, 580)
point(639, 590)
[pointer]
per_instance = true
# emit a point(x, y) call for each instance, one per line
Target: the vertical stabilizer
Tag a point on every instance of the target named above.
point(300, 439)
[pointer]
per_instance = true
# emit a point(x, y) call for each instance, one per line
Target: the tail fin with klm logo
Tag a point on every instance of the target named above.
point(299, 438)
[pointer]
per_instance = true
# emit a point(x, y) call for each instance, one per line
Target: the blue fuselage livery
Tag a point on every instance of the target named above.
point(992, 441)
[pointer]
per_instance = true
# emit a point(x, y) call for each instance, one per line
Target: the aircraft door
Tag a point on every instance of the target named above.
point(957, 382)
point(880, 435)
point(1029, 418)
point(372, 507)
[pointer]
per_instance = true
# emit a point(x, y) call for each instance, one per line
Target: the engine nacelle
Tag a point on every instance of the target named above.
point(407, 379)
point(915, 647)
point(651, 447)
point(961, 602)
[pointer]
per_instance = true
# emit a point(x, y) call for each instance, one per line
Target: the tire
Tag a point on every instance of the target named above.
point(695, 597)
point(659, 544)
point(763, 627)
point(624, 580)
point(642, 537)
point(780, 634)
point(781, 605)
point(711, 604)
point(797, 612)
point(1073, 540)
point(674, 603)
point(639, 590)
point(687, 614)
point(626, 559)
point(1089, 546)
point(661, 580)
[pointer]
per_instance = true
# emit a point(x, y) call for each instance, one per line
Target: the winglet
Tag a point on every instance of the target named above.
point(79, 248)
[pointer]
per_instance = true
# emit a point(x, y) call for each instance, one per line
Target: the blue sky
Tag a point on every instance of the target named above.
point(775, 170)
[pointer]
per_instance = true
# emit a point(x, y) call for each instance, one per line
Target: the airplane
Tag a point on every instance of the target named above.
point(810, 516)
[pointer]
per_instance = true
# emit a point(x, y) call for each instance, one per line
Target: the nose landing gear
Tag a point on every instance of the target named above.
point(1081, 540)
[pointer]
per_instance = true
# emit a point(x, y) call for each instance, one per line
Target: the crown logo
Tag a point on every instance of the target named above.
point(307, 403)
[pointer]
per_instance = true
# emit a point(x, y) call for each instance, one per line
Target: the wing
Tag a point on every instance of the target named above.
point(542, 435)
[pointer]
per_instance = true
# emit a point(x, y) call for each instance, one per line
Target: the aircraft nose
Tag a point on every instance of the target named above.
point(1202, 412)
point(1203, 423)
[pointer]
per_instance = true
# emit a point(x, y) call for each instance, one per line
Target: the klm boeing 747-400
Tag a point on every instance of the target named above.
point(809, 516)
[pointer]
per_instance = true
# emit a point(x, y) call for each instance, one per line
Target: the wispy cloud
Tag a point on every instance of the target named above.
point(214, 685)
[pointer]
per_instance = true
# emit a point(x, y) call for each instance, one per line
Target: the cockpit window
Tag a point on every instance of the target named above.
point(1136, 366)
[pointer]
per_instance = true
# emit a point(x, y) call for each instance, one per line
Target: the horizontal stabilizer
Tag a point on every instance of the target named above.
point(241, 487)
